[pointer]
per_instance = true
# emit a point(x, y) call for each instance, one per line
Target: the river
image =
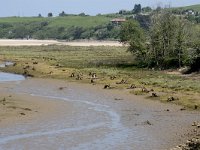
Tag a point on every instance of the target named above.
point(97, 119)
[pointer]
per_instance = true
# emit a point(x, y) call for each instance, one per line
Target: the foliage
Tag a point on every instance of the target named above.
point(133, 34)
point(50, 14)
point(137, 8)
point(168, 37)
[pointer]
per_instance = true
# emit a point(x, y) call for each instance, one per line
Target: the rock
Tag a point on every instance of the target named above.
point(72, 75)
point(27, 109)
point(182, 109)
point(112, 77)
point(170, 99)
point(35, 63)
point(145, 90)
point(147, 122)
point(118, 99)
point(194, 123)
point(154, 95)
point(92, 81)
point(22, 114)
point(122, 82)
point(133, 86)
point(106, 86)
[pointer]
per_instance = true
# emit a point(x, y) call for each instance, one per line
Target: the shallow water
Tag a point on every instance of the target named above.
point(5, 77)
point(96, 121)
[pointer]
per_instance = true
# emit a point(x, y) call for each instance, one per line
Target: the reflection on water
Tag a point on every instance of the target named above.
point(10, 77)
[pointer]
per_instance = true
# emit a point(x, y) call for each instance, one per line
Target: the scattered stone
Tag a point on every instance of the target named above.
point(22, 114)
point(35, 63)
point(72, 75)
point(196, 124)
point(170, 99)
point(79, 77)
point(195, 107)
point(113, 77)
point(92, 81)
point(118, 99)
point(122, 82)
point(145, 90)
point(133, 86)
point(151, 90)
point(147, 122)
point(154, 95)
point(193, 144)
point(182, 109)
point(107, 86)
point(14, 64)
point(61, 88)
point(94, 75)
point(27, 109)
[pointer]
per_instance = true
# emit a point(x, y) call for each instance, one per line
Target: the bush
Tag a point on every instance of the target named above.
point(170, 63)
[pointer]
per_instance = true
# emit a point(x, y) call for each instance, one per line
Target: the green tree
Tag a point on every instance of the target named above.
point(39, 15)
point(50, 14)
point(132, 34)
point(168, 39)
point(146, 9)
point(137, 8)
point(62, 14)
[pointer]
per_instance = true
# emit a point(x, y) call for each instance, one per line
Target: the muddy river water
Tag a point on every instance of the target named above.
point(97, 119)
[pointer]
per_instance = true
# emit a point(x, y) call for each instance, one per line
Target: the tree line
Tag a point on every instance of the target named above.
point(171, 41)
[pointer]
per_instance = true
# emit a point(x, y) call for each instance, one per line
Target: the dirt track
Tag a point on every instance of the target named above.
point(8, 42)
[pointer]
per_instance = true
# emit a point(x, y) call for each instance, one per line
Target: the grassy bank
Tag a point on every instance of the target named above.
point(113, 66)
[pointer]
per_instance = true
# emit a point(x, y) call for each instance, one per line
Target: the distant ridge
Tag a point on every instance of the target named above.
point(194, 7)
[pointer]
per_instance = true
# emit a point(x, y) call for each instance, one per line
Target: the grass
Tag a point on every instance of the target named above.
point(60, 61)
point(194, 7)
point(67, 21)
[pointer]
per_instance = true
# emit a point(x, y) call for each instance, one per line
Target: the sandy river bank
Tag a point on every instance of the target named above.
point(64, 115)
point(15, 42)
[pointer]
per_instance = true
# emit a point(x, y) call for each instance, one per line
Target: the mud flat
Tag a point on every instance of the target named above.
point(66, 115)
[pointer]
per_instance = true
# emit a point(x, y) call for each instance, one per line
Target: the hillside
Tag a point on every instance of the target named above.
point(67, 21)
point(67, 27)
point(193, 7)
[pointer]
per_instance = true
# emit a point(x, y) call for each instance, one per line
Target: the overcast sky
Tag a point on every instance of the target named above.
point(92, 7)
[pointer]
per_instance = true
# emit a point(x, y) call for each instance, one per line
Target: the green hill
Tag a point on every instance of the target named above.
point(67, 27)
point(193, 7)
point(67, 21)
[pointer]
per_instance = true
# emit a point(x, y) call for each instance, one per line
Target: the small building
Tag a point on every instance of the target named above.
point(190, 12)
point(118, 21)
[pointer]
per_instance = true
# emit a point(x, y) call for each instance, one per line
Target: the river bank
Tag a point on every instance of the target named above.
point(124, 115)
point(66, 110)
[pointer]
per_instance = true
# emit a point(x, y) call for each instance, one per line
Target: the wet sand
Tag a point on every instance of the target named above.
point(10, 42)
point(84, 116)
